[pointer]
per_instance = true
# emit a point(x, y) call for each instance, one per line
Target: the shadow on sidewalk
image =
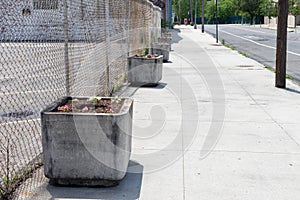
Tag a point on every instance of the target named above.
point(175, 36)
point(129, 188)
point(160, 85)
point(292, 90)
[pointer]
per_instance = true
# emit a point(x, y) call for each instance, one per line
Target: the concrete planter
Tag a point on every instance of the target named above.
point(161, 49)
point(145, 71)
point(166, 34)
point(165, 39)
point(86, 149)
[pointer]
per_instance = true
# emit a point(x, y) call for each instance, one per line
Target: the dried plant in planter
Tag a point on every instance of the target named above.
point(92, 105)
point(145, 54)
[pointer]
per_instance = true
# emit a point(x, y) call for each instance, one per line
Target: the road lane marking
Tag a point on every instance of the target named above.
point(263, 45)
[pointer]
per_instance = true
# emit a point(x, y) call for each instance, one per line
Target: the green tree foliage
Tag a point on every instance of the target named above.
point(226, 8)
point(251, 7)
point(182, 9)
point(294, 8)
point(269, 8)
point(210, 11)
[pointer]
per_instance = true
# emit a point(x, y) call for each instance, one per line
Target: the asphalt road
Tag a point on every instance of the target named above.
point(260, 44)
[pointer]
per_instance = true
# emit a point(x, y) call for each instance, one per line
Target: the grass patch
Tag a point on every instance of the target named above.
point(223, 42)
point(227, 45)
point(270, 68)
point(244, 54)
point(232, 48)
point(289, 77)
point(273, 70)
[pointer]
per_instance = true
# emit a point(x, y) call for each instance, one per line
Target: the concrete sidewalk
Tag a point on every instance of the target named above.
point(215, 128)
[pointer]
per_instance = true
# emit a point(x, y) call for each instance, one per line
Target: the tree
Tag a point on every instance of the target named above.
point(294, 8)
point(269, 8)
point(191, 11)
point(177, 9)
point(252, 7)
point(181, 8)
point(210, 11)
point(226, 10)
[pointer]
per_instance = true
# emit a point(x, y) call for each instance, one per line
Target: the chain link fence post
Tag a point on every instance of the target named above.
point(107, 42)
point(66, 32)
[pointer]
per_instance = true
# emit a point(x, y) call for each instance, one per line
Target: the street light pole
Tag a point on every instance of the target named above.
point(195, 21)
point(202, 19)
point(217, 31)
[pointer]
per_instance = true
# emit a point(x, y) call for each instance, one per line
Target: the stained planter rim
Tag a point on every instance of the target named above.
point(49, 109)
point(155, 58)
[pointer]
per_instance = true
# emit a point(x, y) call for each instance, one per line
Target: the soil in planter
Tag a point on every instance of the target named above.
point(93, 105)
point(147, 56)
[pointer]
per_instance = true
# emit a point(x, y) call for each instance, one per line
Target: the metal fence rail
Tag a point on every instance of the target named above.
point(52, 48)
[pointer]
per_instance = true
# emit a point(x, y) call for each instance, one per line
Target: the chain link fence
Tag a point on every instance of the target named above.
point(52, 48)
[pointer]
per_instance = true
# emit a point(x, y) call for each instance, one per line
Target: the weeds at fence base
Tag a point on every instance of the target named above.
point(9, 184)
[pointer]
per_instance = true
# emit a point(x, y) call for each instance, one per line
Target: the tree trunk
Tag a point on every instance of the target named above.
point(251, 19)
point(191, 10)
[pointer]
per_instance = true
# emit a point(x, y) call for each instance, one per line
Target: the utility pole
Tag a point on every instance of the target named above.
point(283, 6)
point(217, 22)
point(202, 19)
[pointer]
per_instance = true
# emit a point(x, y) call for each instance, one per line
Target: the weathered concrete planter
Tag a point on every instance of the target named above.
point(145, 71)
point(161, 49)
point(166, 34)
point(86, 149)
point(164, 39)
